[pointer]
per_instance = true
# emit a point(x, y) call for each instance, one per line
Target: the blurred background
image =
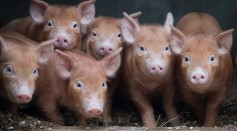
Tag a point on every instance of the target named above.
point(153, 11)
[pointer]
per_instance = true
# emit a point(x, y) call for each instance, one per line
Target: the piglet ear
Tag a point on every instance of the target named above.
point(169, 22)
point(112, 63)
point(135, 16)
point(87, 12)
point(45, 50)
point(37, 10)
point(65, 63)
point(129, 30)
point(3, 46)
point(177, 38)
point(224, 41)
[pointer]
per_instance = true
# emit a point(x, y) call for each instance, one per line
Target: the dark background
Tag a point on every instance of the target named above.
point(154, 11)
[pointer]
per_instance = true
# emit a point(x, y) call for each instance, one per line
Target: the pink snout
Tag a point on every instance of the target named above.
point(23, 98)
point(105, 50)
point(61, 42)
point(157, 69)
point(94, 112)
point(199, 77)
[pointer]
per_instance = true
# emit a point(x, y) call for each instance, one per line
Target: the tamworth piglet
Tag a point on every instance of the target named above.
point(62, 22)
point(148, 68)
point(103, 38)
point(20, 60)
point(204, 65)
point(104, 35)
point(76, 81)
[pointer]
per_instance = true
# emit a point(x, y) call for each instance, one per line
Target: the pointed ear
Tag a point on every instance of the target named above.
point(112, 63)
point(65, 63)
point(169, 22)
point(135, 16)
point(45, 50)
point(87, 12)
point(177, 38)
point(3, 46)
point(129, 29)
point(37, 10)
point(224, 41)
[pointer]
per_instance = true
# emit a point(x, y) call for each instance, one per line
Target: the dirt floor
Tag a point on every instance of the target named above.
point(121, 117)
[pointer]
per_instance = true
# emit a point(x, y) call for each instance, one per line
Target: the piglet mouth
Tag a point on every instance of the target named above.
point(61, 46)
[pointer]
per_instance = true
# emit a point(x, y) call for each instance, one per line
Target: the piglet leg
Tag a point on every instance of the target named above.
point(144, 107)
point(51, 112)
point(169, 104)
point(212, 107)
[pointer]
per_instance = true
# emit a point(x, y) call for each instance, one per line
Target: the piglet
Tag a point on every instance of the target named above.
point(104, 35)
point(20, 60)
point(75, 81)
point(103, 38)
point(62, 22)
point(204, 64)
point(147, 70)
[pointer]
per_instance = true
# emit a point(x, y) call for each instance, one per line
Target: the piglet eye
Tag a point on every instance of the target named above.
point(94, 34)
point(35, 71)
point(8, 70)
point(212, 58)
point(103, 85)
point(50, 23)
point(142, 48)
point(74, 24)
point(166, 47)
point(79, 84)
point(186, 59)
point(119, 35)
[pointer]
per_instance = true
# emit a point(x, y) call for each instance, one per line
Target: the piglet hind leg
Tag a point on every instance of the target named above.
point(145, 109)
point(212, 108)
point(169, 105)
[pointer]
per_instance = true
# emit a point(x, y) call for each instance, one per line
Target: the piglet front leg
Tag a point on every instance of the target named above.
point(212, 107)
point(51, 112)
point(144, 107)
point(169, 104)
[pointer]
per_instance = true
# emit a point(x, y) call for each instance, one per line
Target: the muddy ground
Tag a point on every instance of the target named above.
point(122, 117)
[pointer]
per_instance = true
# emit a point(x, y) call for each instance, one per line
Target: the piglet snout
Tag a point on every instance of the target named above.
point(105, 50)
point(94, 112)
point(157, 69)
point(23, 98)
point(199, 76)
point(61, 42)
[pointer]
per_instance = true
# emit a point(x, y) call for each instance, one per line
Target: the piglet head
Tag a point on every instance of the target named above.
point(87, 89)
point(150, 45)
point(19, 68)
point(104, 37)
point(64, 23)
point(200, 56)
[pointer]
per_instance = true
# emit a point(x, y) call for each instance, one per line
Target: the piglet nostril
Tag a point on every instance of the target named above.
point(110, 49)
point(194, 77)
point(102, 48)
point(202, 77)
point(19, 97)
point(153, 68)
